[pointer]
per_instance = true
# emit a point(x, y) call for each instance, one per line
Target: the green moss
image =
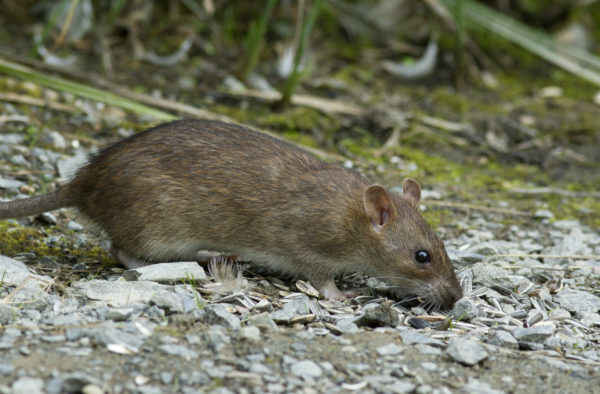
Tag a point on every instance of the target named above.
point(16, 239)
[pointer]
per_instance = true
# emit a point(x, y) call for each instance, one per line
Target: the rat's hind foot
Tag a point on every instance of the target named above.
point(127, 260)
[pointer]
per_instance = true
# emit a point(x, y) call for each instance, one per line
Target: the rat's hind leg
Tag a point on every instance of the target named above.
point(130, 262)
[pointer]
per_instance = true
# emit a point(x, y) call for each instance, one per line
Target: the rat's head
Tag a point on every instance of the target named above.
point(407, 254)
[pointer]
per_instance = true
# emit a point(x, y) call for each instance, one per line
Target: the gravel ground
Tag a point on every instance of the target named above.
point(529, 320)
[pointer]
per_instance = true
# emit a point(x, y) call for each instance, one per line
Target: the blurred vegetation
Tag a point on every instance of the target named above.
point(481, 84)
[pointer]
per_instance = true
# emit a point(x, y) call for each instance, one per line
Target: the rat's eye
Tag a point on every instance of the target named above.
point(422, 256)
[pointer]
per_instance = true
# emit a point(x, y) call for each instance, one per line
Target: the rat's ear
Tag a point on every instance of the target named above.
point(378, 206)
point(412, 192)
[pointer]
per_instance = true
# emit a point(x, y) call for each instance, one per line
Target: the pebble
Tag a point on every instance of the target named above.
point(167, 272)
point(578, 301)
point(250, 333)
point(391, 349)
point(536, 334)
point(380, 316)
point(218, 314)
point(306, 369)
point(504, 339)
point(466, 351)
point(28, 385)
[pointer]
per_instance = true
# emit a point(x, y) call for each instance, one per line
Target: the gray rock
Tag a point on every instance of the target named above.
point(465, 309)
point(391, 349)
point(411, 338)
point(166, 377)
point(110, 336)
point(559, 314)
point(249, 333)
point(218, 314)
point(8, 314)
point(260, 369)
point(167, 301)
point(426, 349)
point(536, 334)
point(263, 321)
point(179, 350)
point(167, 272)
point(217, 338)
point(466, 351)
point(6, 369)
point(74, 226)
point(12, 139)
point(489, 275)
point(15, 273)
point(380, 316)
point(120, 314)
point(566, 224)
point(577, 301)
point(297, 306)
point(464, 257)
point(504, 339)
point(475, 386)
point(347, 325)
point(10, 183)
point(8, 338)
point(306, 369)
point(117, 293)
point(70, 383)
point(28, 385)
point(590, 319)
point(401, 387)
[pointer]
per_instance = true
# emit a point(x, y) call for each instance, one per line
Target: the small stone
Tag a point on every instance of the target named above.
point(166, 377)
point(559, 314)
point(465, 309)
point(536, 334)
point(504, 339)
point(297, 306)
point(401, 387)
point(475, 386)
point(10, 183)
point(263, 321)
point(306, 369)
point(218, 314)
point(120, 314)
point(411, 338)
point(167, 272)
point(260, 369)
point(250, 333)
point(578, 301)
point(217, 338)
point(48, 218)
point(7, 314)
point(391, 349)
point(178, 350)
point(380, 316)
point(28, 385)
point(168, 301)
point(590, 319)
point(429, 366)
point(74, 226)
point(117, 293)
point(466, 351)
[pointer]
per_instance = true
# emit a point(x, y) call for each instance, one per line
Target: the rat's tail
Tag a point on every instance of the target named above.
point(31, 206)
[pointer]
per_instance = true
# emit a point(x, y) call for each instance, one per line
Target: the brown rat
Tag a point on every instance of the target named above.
point(181, 187)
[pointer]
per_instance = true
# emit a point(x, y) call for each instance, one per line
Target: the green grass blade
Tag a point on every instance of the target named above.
point(20, 71)
point(572, 59)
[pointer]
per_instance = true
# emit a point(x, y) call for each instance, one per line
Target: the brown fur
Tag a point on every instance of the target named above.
point(186, 186)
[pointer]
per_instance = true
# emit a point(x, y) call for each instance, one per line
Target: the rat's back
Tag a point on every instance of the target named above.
point(191, 185)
